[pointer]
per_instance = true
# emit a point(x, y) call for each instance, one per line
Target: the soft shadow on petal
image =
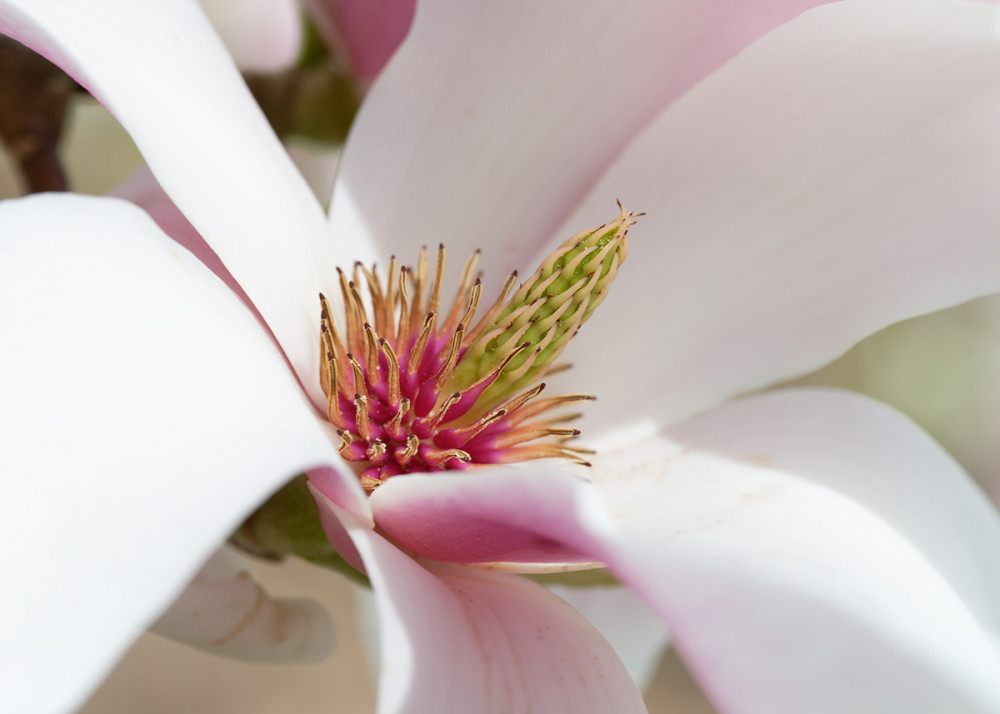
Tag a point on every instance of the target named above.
point(457, 639)
point(365, 32)
point(628, 624)
point(142, 189)
point(492, 120)
point(808, 550)
point(224, 611)
point(261, 35)
point(144, 414)
point(837, 176)
point(164, 74)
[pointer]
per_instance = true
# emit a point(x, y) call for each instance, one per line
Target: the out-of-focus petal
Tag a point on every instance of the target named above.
point(627, 623)
point(224, 611)
point(199, 129)
point(366, 32)
point(835, 177)
point(492, 120)
point(144, 413)
point(261, 35)
point(458, 639)
point(809, 551)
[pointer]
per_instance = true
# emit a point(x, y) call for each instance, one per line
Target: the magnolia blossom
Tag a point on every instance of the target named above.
point(810, 174)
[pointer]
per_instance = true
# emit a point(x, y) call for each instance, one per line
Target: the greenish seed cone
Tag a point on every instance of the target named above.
point(541, 318)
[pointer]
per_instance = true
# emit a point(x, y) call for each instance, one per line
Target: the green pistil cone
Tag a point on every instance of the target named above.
point(544, 313)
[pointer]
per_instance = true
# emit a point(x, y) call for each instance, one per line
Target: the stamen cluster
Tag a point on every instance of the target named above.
point(413, 389)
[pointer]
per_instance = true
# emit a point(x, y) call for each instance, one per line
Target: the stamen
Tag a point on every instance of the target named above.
point(434, 305)
point(346, 440)
point(419, 282)
point(404, 454)
point(371, 354)
point(330, 389)
point(403, 329)
point(519, 437)
point(436, 457)
point(548, 404)
point(470, 310)
point(376, 452)
point(359, 376)
point(393, 376)
point(361, 416)
point(463, 287)
point(453, 346)
point(389, 305)
point(558, 368)
point(541, 451)
point(470, 432)
point(411, 388)
point(494, 310)
point(394, 428)
point(417, 352)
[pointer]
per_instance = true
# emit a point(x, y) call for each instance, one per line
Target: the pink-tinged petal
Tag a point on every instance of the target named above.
point(144, 413)
point(835, 177)
point(456, 639)
point(224, 611)
point(329, 507)
point(808, 551)
point(626, 622)
point(261, 35)
point(364, 32)
point(162, 71)
point(493, 119)
point(433, 515)
point(142, 189)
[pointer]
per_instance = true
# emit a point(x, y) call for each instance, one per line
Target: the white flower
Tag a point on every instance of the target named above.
point(809, 551)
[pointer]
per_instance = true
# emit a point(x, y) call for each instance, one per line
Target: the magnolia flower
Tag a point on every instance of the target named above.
point(808, 550)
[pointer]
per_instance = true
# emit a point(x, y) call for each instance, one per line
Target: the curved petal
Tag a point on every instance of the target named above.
point(457, 639)
point(365, 32)
point(626, 622)
point(144, 413)
point(493, 119)
point(431, 515)
point(224, 611)
point(160, 69)
point(834, 178)
point(261, 35)
point(808, 550)
point(142, 189)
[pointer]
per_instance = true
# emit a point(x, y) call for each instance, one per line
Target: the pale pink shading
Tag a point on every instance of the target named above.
point(459, 639)
point(367, 32)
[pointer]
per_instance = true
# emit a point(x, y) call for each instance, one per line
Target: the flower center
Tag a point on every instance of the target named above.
point(413, 388)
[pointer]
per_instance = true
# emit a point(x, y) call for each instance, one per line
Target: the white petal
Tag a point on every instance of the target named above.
point(261, 35)
point(144, 413)
point(142, 189)
point(458, 639)
point(627, 623)
point(224, 611)
point(834, 178)
point(821, 554)
point(493, 119)
point(808, 551)
point(161, 70)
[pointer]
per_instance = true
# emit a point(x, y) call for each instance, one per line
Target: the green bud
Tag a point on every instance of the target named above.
point(540, 319)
